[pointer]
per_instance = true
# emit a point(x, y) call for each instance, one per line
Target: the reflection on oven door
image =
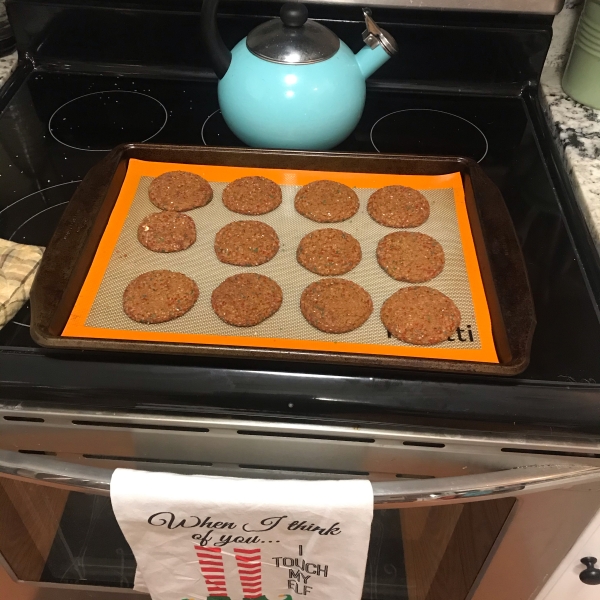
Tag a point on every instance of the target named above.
point(54, 536)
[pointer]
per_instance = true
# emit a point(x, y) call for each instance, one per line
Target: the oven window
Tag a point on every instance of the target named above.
point(55, 536)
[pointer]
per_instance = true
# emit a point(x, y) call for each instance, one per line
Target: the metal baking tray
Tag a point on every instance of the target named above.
point(73, 246)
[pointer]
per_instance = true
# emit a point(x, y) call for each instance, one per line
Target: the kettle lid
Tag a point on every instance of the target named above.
point(293, 39)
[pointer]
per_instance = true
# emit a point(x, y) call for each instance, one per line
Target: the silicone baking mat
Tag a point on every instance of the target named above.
point(120, 258)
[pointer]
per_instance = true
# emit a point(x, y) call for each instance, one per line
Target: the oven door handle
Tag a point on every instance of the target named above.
point(388, 494)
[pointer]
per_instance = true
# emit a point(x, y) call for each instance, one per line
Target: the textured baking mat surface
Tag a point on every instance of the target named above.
point(120, 258)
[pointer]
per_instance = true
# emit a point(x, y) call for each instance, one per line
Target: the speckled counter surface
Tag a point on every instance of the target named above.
point(7, 65)
point(575, 127)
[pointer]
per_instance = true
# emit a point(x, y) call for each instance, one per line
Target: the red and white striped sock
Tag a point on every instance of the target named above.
point(211, 565)
point(249, 568)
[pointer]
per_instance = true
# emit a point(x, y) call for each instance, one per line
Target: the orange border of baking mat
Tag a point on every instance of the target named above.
point(76, 327)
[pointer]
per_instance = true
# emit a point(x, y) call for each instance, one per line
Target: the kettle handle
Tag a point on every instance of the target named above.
point(219, 54)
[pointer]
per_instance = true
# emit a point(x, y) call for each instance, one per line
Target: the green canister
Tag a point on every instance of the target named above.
point(582, 75)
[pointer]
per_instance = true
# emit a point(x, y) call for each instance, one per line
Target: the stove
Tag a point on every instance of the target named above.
point(93, 75)
point(70, 102)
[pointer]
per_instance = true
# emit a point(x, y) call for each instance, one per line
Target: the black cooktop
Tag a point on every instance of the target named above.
point(59, 124)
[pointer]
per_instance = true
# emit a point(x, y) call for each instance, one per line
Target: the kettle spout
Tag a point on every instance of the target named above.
point(370, 59)
point(380, 47)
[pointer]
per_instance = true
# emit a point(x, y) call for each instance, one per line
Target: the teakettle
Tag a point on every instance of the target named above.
point(292, 83)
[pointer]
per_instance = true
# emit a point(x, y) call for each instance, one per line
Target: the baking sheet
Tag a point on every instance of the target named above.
point(120, 258)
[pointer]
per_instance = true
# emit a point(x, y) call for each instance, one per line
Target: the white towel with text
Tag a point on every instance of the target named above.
point(220, 538)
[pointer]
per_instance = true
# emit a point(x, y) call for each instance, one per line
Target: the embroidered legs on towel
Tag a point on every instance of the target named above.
point(249, 568)
point(211, 565)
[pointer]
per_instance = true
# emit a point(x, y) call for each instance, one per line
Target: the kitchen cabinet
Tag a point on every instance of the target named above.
point(564, 582)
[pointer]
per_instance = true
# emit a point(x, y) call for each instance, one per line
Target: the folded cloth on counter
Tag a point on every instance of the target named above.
point(221, 538)
point(18, 266)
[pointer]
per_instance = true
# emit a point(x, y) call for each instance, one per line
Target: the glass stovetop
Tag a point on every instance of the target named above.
point(59, 125)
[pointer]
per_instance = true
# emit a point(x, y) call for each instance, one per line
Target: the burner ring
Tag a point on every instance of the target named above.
point(478, 131)
point(34, 216)
point(157, 106)
point(21, 221)
point(51, 187)
point(214, 127)
point(212, 114)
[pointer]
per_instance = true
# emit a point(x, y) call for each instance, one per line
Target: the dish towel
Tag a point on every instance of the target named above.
point(198, 537)
point(18, 266)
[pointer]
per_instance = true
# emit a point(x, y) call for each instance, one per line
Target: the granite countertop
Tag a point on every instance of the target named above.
point(575, 127)
point(7, 65)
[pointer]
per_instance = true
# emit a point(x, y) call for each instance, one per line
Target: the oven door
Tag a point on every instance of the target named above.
point(496, 534)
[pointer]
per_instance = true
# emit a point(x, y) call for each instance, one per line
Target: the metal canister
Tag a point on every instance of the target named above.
point(582, 75)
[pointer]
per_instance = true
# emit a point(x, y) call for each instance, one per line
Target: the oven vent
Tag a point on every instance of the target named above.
point(24, 419)
point(123, 425)
point(550, 452)
point(147, 460)
point(306, 470)
point(307, 436)
point(424, 444)
point(38, 452)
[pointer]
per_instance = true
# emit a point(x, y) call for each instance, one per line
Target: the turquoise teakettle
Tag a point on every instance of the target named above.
point(292, 83)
